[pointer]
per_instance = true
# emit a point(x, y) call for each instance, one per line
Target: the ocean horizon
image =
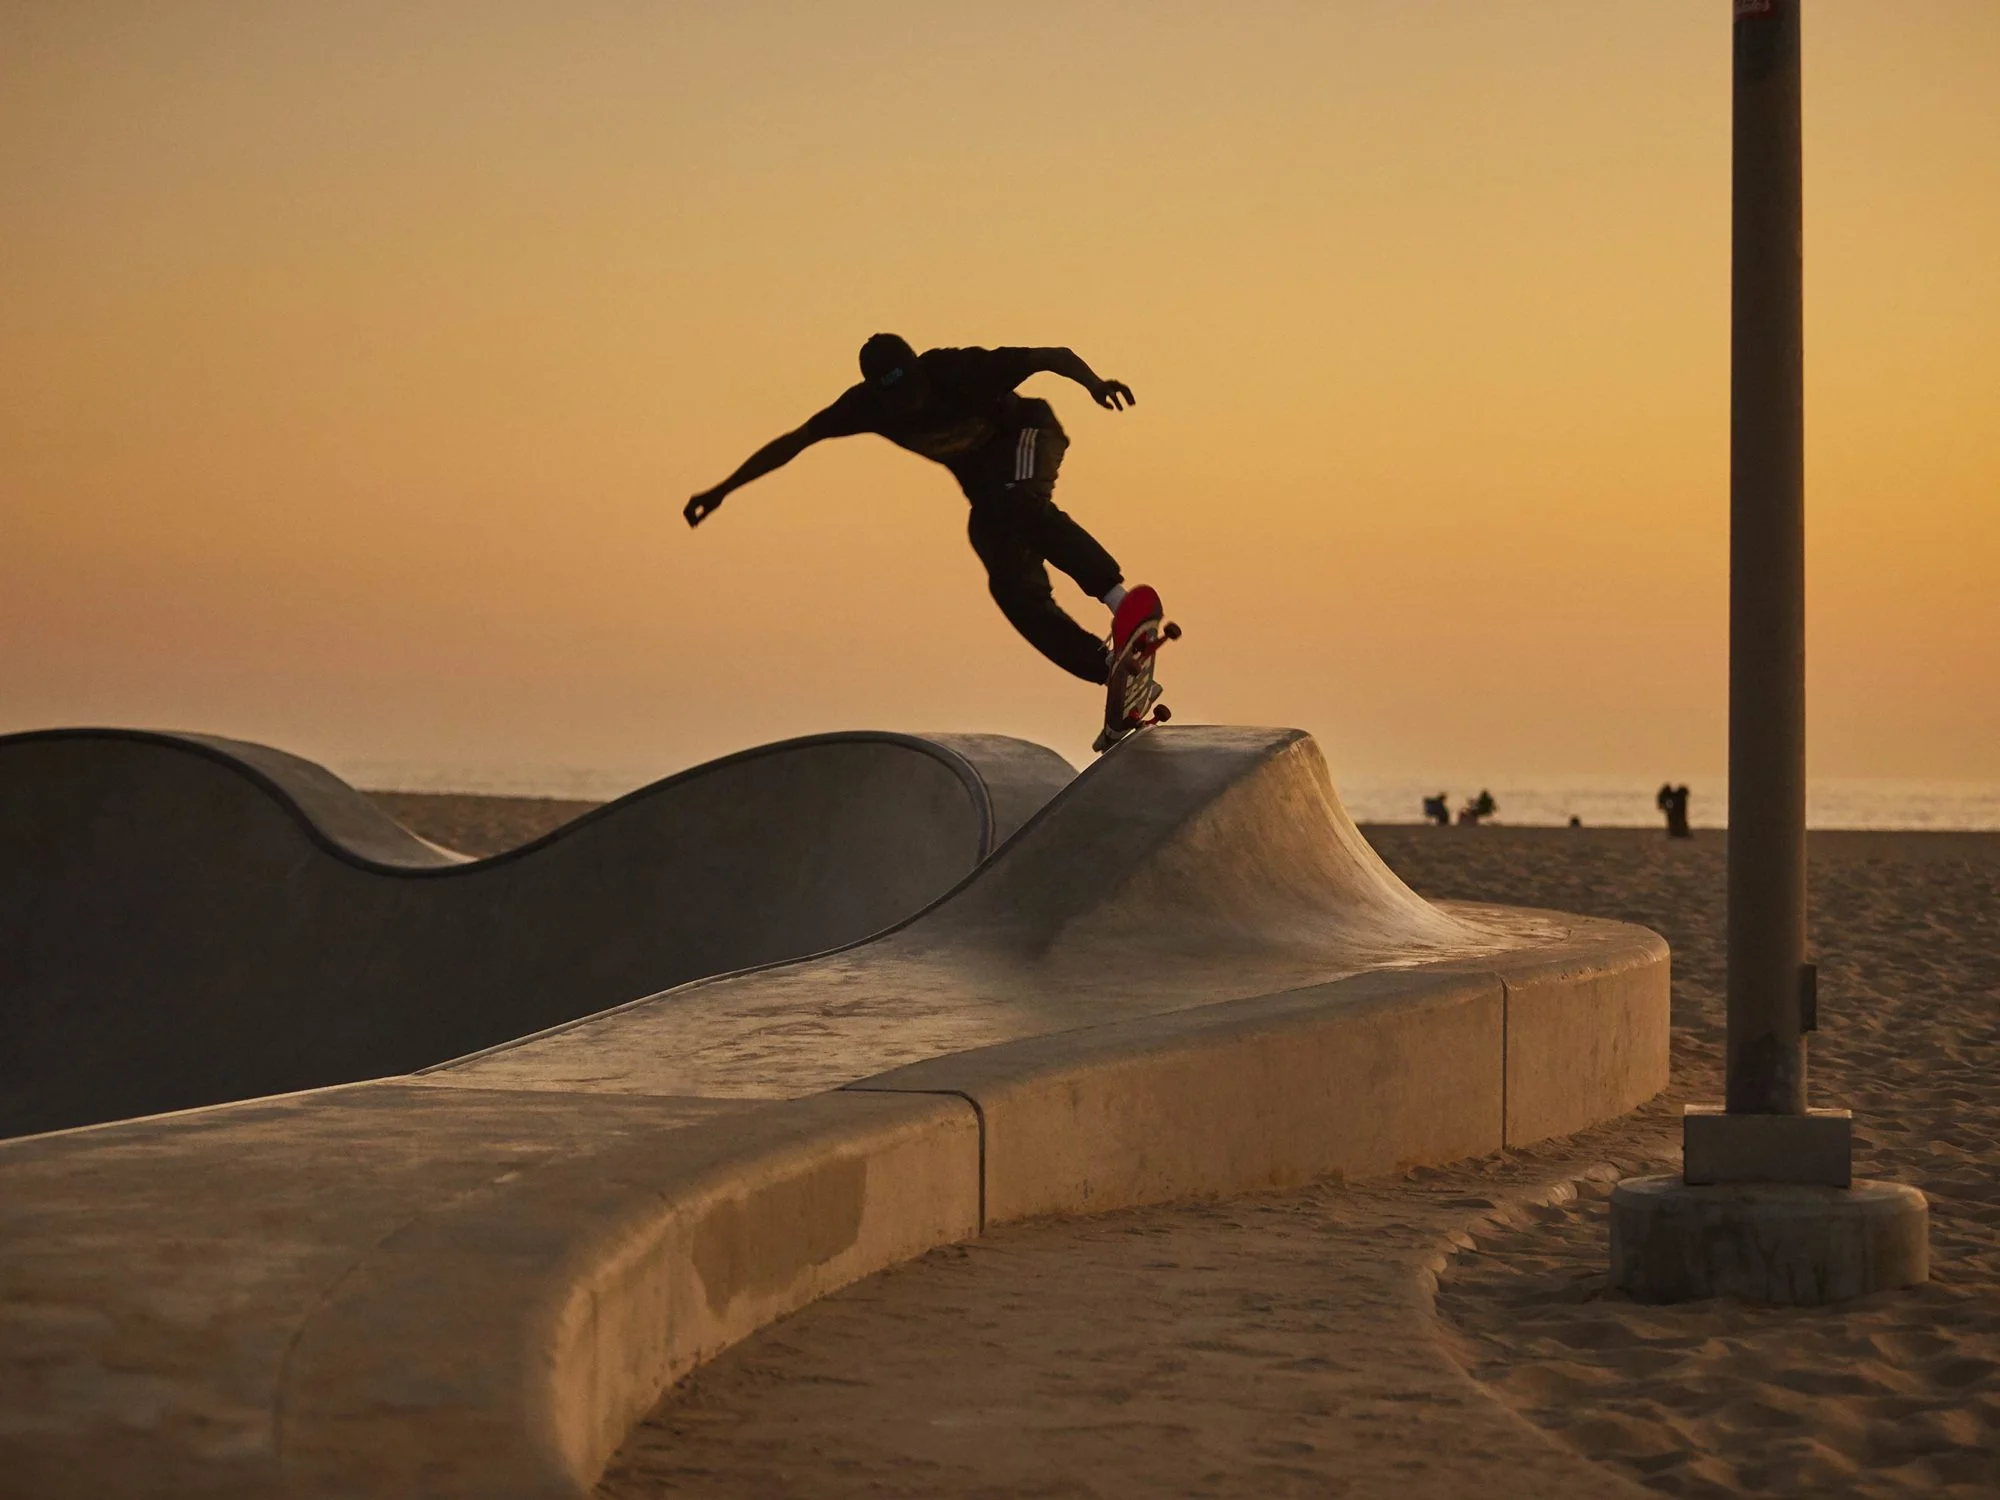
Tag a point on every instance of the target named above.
point(1600, 800)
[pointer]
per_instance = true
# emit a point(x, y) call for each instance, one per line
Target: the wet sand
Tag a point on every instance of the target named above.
point(1451, 1330)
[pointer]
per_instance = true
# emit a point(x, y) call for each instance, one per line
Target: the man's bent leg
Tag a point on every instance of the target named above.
point(1067, 545)
point(1048, 530)
point(1020, 586)
point(1044, 625)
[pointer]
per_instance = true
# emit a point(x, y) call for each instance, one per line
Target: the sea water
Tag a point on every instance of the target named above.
point(1600, 800)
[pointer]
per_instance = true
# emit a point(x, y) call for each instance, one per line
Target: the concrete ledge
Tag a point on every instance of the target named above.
point(388, 1290)
point(526, 1290)
point(1355, 1077)
point(1587, 1028)
point(532, 1287)
point(505, 1349)
point(1360, 1076)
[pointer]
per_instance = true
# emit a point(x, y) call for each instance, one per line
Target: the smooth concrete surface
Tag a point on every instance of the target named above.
point(1815, 1149)
point(389, 1290)
point(1587, 1016)
point(1354, 1077)
point(186, 920)
point(1185, 867)
point(1777, 1243)
point(565, 1303)
point(1187, 974)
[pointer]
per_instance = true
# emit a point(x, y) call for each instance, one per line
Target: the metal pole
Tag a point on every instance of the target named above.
point(1767, 738)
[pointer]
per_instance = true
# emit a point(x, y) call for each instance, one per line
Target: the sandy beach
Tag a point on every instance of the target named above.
point(1897, 1394)
point(1451, 1328)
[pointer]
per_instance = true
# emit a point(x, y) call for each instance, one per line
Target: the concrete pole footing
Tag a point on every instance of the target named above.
point(1782, 1244)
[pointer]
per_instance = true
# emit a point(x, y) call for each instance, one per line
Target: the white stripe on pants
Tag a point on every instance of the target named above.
point(1024, 455)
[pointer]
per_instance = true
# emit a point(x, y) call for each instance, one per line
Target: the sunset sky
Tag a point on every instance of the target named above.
point(356, 360)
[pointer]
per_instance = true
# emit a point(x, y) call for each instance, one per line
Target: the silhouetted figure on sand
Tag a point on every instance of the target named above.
point(959, 408)
point(1673, 801)
point(1438, 809)
point(1480, 807)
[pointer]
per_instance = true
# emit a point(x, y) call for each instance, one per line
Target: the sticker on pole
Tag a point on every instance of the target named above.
point(1752, 8)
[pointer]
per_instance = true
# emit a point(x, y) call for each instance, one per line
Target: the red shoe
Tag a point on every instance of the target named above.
point(1140, 604)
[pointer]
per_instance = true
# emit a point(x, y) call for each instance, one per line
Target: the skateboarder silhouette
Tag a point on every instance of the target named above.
point(958, 407)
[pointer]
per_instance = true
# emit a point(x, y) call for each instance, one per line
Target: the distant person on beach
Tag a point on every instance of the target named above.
point(1481, 807)
point(1673, 801)
point(1438, 810)
point(959, 408)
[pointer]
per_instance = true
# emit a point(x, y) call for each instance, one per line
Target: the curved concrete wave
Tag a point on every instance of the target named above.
point(1188, 974)
point(1187, 867)
point(186, 920)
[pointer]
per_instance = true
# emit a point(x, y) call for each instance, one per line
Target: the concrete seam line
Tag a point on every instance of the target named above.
point(581, 1279)
point(326, 1297)
point(978, 1116)
point(322, 1299)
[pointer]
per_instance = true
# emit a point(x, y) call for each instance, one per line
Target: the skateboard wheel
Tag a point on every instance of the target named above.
point(1163, 713)
point(1171, 631)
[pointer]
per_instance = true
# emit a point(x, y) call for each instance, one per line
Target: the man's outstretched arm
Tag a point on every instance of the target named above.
point(773, 455)
point(1113, 395)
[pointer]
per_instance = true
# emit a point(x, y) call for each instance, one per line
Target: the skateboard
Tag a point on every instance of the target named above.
point(1131, 696)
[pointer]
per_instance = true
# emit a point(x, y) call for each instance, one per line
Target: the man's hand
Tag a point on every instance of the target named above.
point(702, 506)
point(1113, 395)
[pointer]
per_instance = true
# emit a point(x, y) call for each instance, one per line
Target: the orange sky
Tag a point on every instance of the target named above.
point(359, 357)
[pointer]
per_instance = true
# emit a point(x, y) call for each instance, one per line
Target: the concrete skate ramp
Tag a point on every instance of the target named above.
point(187, 920)
point(1190, 865)
point(1186, 975)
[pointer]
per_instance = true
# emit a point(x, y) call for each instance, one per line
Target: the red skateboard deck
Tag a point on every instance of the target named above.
point(1131, 696)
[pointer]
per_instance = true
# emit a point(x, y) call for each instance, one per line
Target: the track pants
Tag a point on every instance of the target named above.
point(1017, 530)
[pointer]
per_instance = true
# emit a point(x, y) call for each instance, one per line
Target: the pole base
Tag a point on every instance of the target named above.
point(1782, 1244)
point(1816, 1147)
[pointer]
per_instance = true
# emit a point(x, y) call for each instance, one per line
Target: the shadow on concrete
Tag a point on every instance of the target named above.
point(186, 920)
